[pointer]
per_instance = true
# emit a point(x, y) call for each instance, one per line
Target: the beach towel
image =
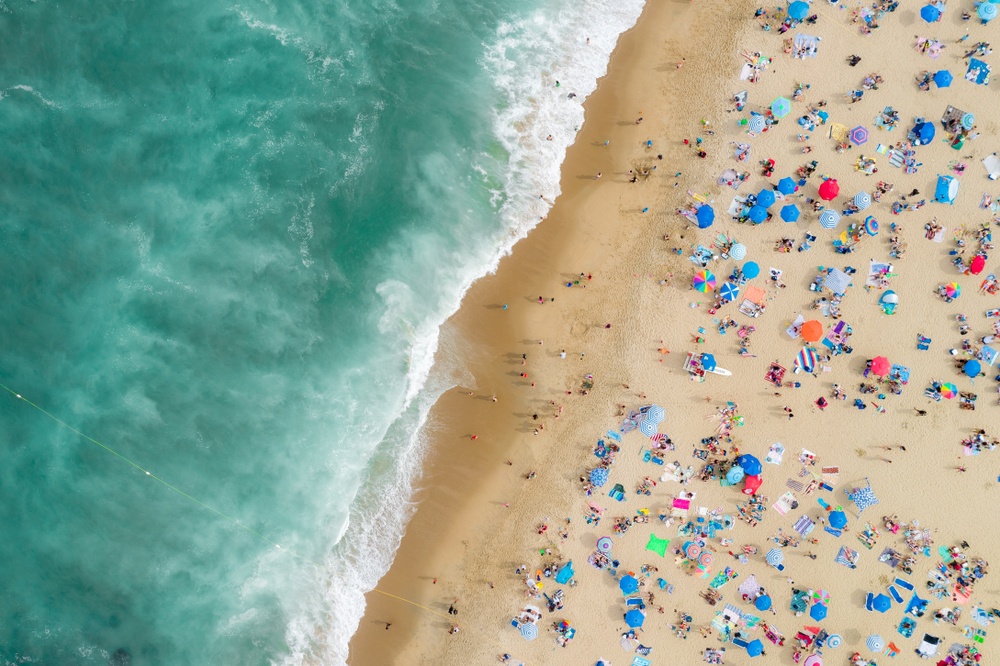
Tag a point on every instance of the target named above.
point(750, 587)
point(847, 557)
point(834, 532)
point(830, 475)
point(785, 503)
point(794, 329)
point(627, 644)
point(804, 526)
point(657, 545)
point(775, 454)
point(754, 295)
point(794, 485)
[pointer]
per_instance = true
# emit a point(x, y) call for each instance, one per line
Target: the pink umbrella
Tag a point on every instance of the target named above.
point(880, 366)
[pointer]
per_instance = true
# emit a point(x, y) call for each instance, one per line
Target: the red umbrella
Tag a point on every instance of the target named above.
point(978, 264)
point(880, 366)
point(829, 190)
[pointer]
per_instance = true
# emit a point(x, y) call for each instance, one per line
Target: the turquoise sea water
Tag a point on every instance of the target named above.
point(229, 234)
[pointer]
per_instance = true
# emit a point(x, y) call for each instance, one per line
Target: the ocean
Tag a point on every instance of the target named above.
point(230, 233)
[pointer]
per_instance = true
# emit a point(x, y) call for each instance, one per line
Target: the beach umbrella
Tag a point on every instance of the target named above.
point(875, 643)
point(786, 185)
point(862, 200)
point(708, 362)
point(972, 368)
point(765, 198)
point(978, 264)
point(813, 660)
point(704, 281)
point(729, 291)
point(628, 584)
point(762, 603)
point(838, 520)
point(798, 10)
point(775, 557)
point(859, 135)
point(756, 123)
point(790, 213)
point(751, 270)
point(738, 251)
point(924, 133)
point(949, 390)
point(599, 476)
point(647, 428)
point(634, 618)
point(780, 107)
point(987, 11)
point(692, 550)
point(734, 475)
point(834, 641)
point(706, 559)
point(821, 597)
point(829, 190)
point(812, 331)
point(968, 120)
point(656, 414)
point(881, 603)
point(604, 544)
point(942, 78)
point(750, 464)
point(755, 647)
point(930, 13)
point(880, 366)
point(758, 214)
point(529, 631)
point(829, 218)
point(807, 359)
point(871, 225)
point(705, 216)
point(952, 290)
point(817, 612)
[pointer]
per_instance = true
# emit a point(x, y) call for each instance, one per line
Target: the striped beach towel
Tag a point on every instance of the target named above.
point(794, 485)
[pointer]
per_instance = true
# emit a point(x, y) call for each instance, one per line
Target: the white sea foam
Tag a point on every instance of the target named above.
point(526, 58)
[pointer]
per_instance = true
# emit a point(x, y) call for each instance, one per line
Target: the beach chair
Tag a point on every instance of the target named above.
point(894, 593)
point(868, 602)
point(906, 585)
point(635, 602)
point(923, 342)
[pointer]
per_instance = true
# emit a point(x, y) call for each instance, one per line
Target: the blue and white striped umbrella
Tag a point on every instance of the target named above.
point(656, 414)
point(774, 557)
point(862, 200)
point(529, 631)
point(738, 251)
point(729, 291)
point(875, 643)
point(829, 218)
point(756, 123)
point(647, 428)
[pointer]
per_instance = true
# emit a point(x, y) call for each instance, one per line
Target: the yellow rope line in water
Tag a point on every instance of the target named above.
point(230, 518)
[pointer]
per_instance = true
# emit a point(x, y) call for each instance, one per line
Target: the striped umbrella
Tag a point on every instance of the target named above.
point(862, 200)
point(968, 120)
point(774, 557)
point(704, 281)
point(738, 251)
point(875, 643)
point(647, 428)
point(706, 559)
point(692, 550)
point(656, 414)
point(829, 218)
point(822, 597)
point(834, 641)
point(806, 359)
point(756, 123)
point(604, 544)
point(859, 135)
point(529, 631)
point(871, 225)
point(729, 291)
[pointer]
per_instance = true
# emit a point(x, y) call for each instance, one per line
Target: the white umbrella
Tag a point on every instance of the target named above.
point(829, 218)
point(862, 200)
point(738, 251)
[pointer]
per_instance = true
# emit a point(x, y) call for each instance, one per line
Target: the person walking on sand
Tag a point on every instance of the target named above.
point(921, 412)
point(597, 176)
point(387, 625)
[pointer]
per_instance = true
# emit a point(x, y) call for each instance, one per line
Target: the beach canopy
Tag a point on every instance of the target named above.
point(946, 190)
point(529, 631)
point(762, 603)
point(817, 612)
point(924, 133)
point(786, 185)
point(880, 366)
point(890, 297)
point(758, 214)
point(881, 603)
point(829, 190)
point(790, 213)
point(871, 225)
point(875, 643)
point(756, 123)
point(859, 135)
point(798, 10)
point(812, 331)
point(838, 520)
point(751, 270)
point(705, 216)
point(750, 464)
point(599, 476)
point(634, 618)
point(775, 557)
point(978, 264)
point(765, 198)
point(942, 78)
point(829, 218)
point(930, 13)
point(972, 368)
point(755, 647)
point(780, 107)
point(729, 291)
point(704, 281)
point(987, 11)
point(738, 251)
point(628, 584)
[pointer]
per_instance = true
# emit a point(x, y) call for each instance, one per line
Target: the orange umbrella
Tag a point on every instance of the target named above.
point(812, 331)
point(880, 366)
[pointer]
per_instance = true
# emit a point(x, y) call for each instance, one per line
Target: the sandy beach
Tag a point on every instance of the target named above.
point(618, 314)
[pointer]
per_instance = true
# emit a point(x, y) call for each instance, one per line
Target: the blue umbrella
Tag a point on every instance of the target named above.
point(729, 291)
point(774, 557)
point(924, 133)
point(838, 520)
point(930, 13)
point(968, 120)
point(599, 476)
point(829, 218)
point(862, 200)
point(750, 271)
point(750, 464)
point(628, 585)
point(765, 198)
point(943, 78)
point(786, 185)
point(758, 214)
point(755, 647)
point(763, 602)
point(705, 216)
point(881, 603)
point(798, 10)
point(634, 618)
point(734, 475)
point(529, 631)
point(708, 362)
point(973, 368)
point(987, 11)
point(790, 213)
point(817, 612)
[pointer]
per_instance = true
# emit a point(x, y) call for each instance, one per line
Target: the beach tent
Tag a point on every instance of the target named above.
point(829, 189)
point(786, 185)
point(765, 199)
point(923, 133)
point(947, 189)
point(751, 270)
point(790, 213)
point(889, 301)
point(928, 646)
point(628, 584)
point(634, 618)
point(942, 78)
point(798, 10)
point(705, 216)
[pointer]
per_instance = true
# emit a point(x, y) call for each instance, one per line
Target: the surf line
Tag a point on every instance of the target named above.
point(236, 521)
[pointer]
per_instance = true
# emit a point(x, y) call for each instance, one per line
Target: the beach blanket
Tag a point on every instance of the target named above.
point(785, 503)
point(847, 557)
point(804, 525)
point(794, 329)
point(775, 453)
point(754, 295)
point(877, 274)
point(805, 46)
point(979, 72)
point(837, 281)
point(750, 587)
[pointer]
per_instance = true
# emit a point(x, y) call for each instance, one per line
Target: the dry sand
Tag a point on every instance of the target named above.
point(462, 534)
